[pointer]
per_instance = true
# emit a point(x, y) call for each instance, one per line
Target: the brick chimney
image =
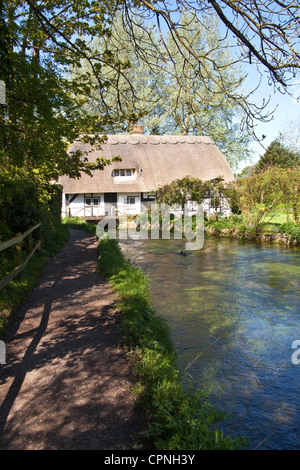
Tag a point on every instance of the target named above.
point(137, 130)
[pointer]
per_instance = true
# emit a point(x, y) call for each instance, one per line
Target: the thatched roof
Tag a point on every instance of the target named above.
point(157, 159)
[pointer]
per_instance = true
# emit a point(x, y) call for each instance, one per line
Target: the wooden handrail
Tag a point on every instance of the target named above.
point(18, 242)
point(30, 230)
point(11, 242)
point(18, 238)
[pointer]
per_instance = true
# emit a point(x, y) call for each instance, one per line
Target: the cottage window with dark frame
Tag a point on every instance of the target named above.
point(131, 199)
point(92, 201)
point(123, 172)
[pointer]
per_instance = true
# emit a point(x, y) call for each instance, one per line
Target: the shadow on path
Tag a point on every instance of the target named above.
point(67, 384)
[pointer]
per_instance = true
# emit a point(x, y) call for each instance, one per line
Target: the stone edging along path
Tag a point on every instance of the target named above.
point(66, 383)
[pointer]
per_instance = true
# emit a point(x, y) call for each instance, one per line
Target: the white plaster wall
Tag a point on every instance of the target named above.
point(131, 209)
point(77, 207)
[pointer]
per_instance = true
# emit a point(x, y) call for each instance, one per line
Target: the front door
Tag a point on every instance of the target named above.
point(110, 197)
point(110, 202)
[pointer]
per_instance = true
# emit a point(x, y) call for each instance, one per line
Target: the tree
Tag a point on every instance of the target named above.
point(247, 171)
point(293, 179)
point(138, 91)
point(278, 155)
point(290, 135)
point(260, 195)
point(43, 114)
point(197, 103)
point(177, 100)
point(286, 184)
point(265, 34)
point(182, 191)
point(46, 39)
point(256, 198)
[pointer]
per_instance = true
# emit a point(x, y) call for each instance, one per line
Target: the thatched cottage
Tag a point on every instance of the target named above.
point(148, 162)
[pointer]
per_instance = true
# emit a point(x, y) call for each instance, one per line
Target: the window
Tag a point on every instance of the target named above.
point(130, 199)
point(129, 172)
point(92, 201)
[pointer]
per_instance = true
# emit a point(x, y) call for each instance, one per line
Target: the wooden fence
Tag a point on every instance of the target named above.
point(17, 241)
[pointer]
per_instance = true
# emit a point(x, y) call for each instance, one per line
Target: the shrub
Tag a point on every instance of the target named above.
point(24, 202)
point(292, 230)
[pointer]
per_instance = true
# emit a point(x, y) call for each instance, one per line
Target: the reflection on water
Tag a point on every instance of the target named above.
point(236, 303)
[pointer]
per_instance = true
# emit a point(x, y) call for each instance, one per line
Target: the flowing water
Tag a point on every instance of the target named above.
point(233, 310)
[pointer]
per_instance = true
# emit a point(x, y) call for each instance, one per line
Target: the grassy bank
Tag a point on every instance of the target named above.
point(178, 418)
point(236, 227)
point(17, 291)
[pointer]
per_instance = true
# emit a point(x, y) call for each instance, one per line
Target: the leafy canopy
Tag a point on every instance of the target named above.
point(45, 110)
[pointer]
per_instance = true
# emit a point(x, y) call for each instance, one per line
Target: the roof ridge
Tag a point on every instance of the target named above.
point(135, 139)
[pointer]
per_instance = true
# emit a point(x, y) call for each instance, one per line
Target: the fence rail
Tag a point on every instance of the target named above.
point(17, 241)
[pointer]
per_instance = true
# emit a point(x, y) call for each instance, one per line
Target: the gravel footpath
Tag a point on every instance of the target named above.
point(66, 383)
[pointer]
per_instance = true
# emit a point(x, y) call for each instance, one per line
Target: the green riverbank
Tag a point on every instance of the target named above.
point(235, 227)
point(178, 418)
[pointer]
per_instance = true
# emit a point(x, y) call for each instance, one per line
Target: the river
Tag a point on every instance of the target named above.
point(233, 311)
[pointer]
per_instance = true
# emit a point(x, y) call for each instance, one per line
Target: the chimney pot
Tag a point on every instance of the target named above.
point(137, 130)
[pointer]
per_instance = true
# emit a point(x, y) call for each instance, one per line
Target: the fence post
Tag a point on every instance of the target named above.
point(29, 245)
point(38, 234)
point(19, 251)
point(18, 258)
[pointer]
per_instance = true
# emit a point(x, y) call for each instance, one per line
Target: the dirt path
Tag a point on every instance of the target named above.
point(66, 383)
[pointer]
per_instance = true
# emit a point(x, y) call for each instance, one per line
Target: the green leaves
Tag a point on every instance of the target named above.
point(45, 109)
point(169, 90)
point(189, 83)
point(185, 189)
point(260, 195)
